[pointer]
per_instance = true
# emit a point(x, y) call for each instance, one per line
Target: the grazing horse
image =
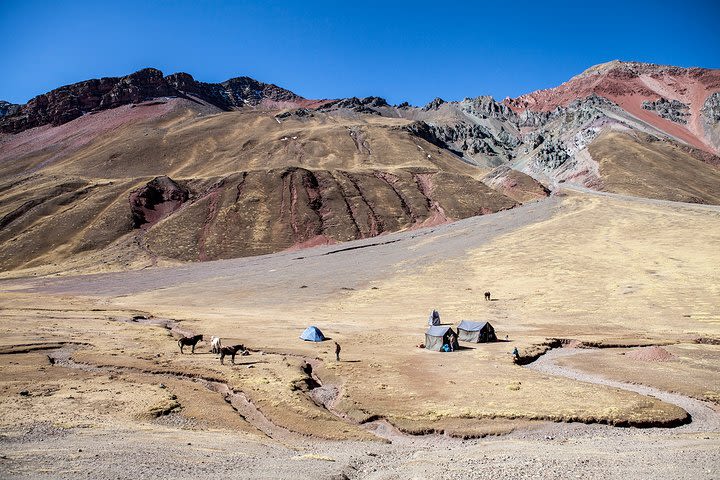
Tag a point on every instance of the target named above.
point(215, 344)
point(192, 341)
point(230, 351)
point(487, 296)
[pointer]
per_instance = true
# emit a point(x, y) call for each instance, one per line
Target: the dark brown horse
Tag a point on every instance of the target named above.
point(230, 351)
point(487, 296)
point(192, 341)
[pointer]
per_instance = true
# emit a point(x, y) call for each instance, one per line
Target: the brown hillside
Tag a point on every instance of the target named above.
point(232, 184)
point(641, 165)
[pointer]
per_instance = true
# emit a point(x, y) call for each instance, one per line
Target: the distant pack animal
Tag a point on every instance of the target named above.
point(487, 296)
point(230, 351)
point(192, 341)
point(215, 344)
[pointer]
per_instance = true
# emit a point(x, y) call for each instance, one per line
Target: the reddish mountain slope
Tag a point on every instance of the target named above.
point(629, 84)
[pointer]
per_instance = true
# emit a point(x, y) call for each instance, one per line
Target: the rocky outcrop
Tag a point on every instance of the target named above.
point(297, 113)
point(711, 108)
point(426, 132)
point(72, 101)
point(158, 199)
point(434, 105)
point(7, 108)
point(552, 154)
point(358, 105)
point(67, 103)
point(710, 120)
point(487, 107)
point(465, 138)
point(673, 110)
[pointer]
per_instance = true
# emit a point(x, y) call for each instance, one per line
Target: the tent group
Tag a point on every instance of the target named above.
point(438, 337)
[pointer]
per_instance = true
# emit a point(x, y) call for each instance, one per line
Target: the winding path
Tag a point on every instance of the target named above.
point(704, 417)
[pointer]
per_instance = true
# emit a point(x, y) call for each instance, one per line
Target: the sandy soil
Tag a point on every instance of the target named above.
point(598, 268)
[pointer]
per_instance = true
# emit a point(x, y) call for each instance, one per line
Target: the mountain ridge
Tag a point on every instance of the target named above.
point(68, 102)
point(149, 169)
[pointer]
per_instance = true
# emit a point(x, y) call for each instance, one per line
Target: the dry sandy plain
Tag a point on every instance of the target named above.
point(85, 392)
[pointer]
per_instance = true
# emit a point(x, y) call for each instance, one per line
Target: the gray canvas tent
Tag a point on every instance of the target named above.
point(436, 337)
point(477, 332)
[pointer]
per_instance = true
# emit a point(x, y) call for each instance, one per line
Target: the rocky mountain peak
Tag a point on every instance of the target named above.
point(621, 69)
point(434, 104)
point(72, 101)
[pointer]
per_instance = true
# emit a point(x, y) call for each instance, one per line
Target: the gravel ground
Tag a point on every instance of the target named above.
point(554, 450)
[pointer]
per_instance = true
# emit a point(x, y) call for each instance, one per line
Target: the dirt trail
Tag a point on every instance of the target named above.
point(62, 357)
point(704, 418)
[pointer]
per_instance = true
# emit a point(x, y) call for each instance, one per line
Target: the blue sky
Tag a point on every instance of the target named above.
point(401, 50)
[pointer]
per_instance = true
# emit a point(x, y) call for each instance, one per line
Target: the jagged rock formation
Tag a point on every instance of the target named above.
point(297, 113)
point(434, 105)
point(710, 118)
point(371, 105)
point(673, 110)
point(158, 199)
point(67, 103)
point(711, 108)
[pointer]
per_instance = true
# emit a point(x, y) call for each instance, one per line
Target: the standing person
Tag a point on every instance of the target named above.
point(337, 351)
point(452, 342)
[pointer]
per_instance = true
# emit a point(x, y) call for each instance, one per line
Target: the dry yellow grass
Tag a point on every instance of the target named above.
point(597, 269)
point(637, 164)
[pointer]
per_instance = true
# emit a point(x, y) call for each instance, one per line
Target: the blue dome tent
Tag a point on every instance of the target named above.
point(312, 334)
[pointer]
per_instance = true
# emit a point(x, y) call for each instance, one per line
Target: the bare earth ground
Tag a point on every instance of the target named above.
point(92, 393)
